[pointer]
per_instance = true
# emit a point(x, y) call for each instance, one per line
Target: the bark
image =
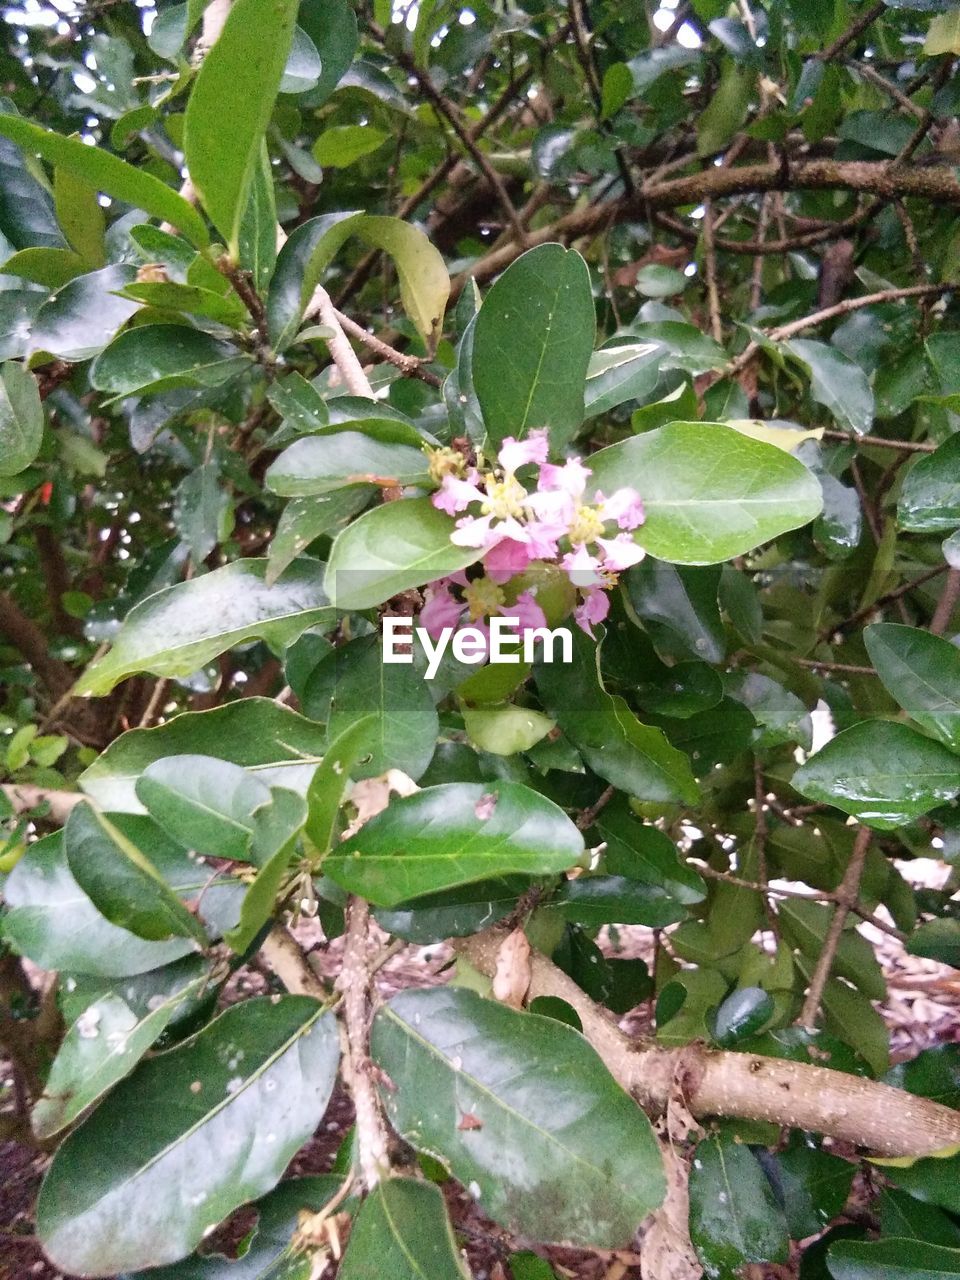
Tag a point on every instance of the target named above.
point(882, 1119)
point(24, 797)
point(26, 637)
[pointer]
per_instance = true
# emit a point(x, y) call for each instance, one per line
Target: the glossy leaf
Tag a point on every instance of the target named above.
point(424, 282)
point(560, 1151)
point(27, 217)
point(300, 265)
point(815, 1185)
point(306, 519)
point(644, 853)
point(390, 549)
point(836, 382)
point(102, 1046)
point(53, 922)
point(734, 1216)
point(633, 756)
point(618, 374)
point(273, 844)
point(178, 629)
point(402, 1230)
point(453, 913)
point(352, 683)
point(930, 497)
point(891, 1259)
point(82, 317)
point(21, 419)
point(532, 346)
point(207, 1148)
point(922, 672)
point(881, 772)
point(238, 81)
point(336, 458)
point(325, 793)
point(109, 174)
point(273, 743)
point(709, 492)
point(122, 882)
point(158, 357)
point(454, 834)
point(679, 609)
point(592, 901)
point(206, 804)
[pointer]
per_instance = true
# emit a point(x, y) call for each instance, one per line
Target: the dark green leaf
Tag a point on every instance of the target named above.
point(679, 609)
point(815, 1185)
point(532, 345)
point(305, 519)
point(121, 1195)
point(592, 901)
point(742, 1014)
point(891, 1260)
point(21, 419)
point(881, 772)
point(402, 1231)
point(122, 882)
point(158, 357)
point(644, 853)
point(922, 672)
point(454, 834)
point(206, 804)
point(82, 317)
point(560, 1152)
point(836, 382)
point(373, 454)
point(930, 497)
point(734, 1217)
point(274, 839)
point(178, 629)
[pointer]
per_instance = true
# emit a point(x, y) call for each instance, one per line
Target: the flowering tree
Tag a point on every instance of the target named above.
point(327, 323)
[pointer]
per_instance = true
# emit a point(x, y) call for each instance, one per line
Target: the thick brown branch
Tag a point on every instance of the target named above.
point(742, 1085)
point(937, 183)
point(29, 640)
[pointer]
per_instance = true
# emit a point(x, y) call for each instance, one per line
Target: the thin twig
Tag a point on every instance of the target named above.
point(710, 257)
point(412, 366)
point(845, 667)
point(153, 706)
point(847, 895)
point(853, 31)
point(344, 356)
point(946, 604)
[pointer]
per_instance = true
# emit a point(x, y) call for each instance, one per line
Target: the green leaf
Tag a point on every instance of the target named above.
point(306, 519)
point(237, 83)
point(21, 419)
point(122, 882)
point(734, 1216)
point(424, 280)
point(743, 1013)
point(178, 629)
point(727, 108)
point(560, 1153)
point(592, 901)
point(504, 729)
point(300, 265)
point(342, 145)
point(644, 853)
point(275, 831)
point(374, 453)
point(836, 382)
point(224, 308)
point(402, 1231)
point(109, 174)
point(18, 309)
point(325, 793)
point(937, 940)
point(943, 35)
point(257, 246)
point(102, 1046)
point(930, 497)
point(80, 215)
point(53, 922)
point(634, 757)
point(302, 69)
point(390, 549)
point(922, 672)
point(709, 493)
point(354, 682)
point(532, 345)
point(881, 772)
point(158, 357)
point(679, 609)
point(618, 374)
point(206, 804)
point(805, 925)
point(934, 1073)
point(201, 511)
point(121, 1195)
point(454, 913)
point(332, 26)
point(273, 743)
point(26, 207)
point(906, 1218)
point(815, 1185)
point(454, 834)
point(892, 1259)
point(82, 317)
point(780, 715)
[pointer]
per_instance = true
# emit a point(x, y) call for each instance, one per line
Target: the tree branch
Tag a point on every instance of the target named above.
point(741, 1085)
point(410, 365)
point(24, 797)
point(847, 895)
point(938, 183)
point(344, 356)
point(26, 637)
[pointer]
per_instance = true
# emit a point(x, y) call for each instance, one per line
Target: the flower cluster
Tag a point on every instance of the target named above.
point(513, 527)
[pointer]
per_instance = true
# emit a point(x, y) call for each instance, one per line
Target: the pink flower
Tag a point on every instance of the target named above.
point(526, 610)
point(625, 506)
point(620, 552)
point(594, 608)
point(507, 558)
point(582, 567)
point(571, 478)
point(440, 610)
point(516, 453)
point(456, 495)
point(554, 509)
